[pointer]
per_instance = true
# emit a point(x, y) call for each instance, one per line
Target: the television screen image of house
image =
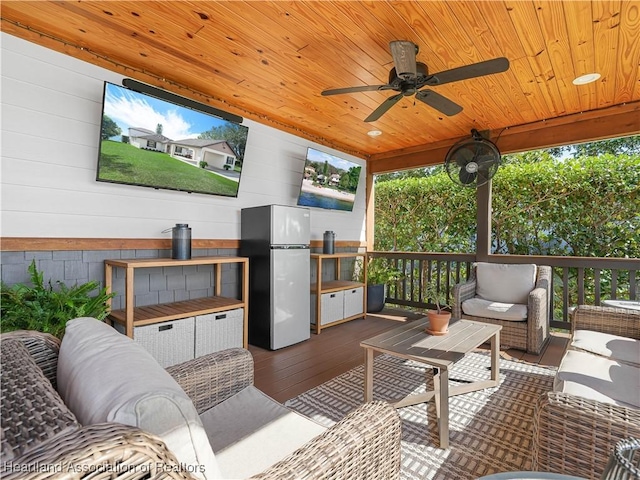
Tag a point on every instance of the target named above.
point(155, 143)
point(328, 181)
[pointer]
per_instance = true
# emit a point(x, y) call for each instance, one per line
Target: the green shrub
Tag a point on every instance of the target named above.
point(47, 309)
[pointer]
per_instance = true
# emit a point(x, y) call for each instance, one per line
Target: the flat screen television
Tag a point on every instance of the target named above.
point(328, 181)
point(165, 142)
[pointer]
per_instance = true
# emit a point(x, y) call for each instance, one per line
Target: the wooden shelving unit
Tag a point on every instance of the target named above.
point(132, 316)
point(321, 287)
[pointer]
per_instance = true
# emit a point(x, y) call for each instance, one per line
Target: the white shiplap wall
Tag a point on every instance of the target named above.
point(50, 121)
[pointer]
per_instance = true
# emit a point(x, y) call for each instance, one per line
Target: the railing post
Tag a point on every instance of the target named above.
point(483, 221)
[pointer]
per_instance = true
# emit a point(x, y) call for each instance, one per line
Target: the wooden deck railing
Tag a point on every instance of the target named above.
point(576, 280)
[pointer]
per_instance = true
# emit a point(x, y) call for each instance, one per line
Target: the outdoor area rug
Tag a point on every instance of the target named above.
point(490, 430)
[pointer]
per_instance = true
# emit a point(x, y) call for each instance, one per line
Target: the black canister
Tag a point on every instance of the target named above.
point(328, 242)
point(181, 242)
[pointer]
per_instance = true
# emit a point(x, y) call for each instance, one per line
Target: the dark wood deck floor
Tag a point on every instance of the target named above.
point(286, 373)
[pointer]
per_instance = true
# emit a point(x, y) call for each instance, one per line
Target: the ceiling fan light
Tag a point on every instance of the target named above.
point(404, 57)
point(374, 133)
point(586, 78)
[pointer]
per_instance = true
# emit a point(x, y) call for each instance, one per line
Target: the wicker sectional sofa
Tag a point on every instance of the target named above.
point(596, 398)
point(46, 437)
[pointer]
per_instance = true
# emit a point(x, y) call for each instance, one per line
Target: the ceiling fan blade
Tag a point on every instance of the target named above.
point(474, 70)
point(363, 88)
point(384, 106)
point(404, 58)
point(439, 102)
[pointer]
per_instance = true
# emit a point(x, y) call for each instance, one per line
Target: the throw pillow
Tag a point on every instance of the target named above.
point(105, 376)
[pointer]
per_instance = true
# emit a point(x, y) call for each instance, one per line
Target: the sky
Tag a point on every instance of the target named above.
point(131, 109)
point(317, 156)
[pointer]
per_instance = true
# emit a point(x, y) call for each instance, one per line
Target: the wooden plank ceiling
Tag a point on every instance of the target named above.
point(269, 61)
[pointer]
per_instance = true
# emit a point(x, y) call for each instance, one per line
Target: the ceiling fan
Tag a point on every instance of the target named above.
point(408, 76)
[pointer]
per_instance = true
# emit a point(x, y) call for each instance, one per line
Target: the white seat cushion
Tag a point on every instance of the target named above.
point(611, 346)
point(104, 376)
point(479, 307)
point(598, 378)
point(250, 431)
point(505, 283)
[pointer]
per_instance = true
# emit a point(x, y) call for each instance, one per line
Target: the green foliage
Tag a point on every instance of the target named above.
point(47, 309)
point(204, 164)
point(109, 128)
point(585, 206)
point(380, 271)
point(436, 295)
point(426, 214)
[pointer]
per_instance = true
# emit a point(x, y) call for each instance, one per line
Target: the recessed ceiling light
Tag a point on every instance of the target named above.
point(586, 78)
point(374, 133)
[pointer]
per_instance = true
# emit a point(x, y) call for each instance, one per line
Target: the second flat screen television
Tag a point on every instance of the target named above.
point(151, 142)
point(328, 181)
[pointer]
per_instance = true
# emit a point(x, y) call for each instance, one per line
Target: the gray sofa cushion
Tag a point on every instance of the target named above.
point(250, 431)
point(598, 378)
point(32, 411)
point(615, 347)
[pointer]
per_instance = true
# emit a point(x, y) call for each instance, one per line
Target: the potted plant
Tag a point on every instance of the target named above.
point(379, 274)
point(438, 318)
point(46, 308)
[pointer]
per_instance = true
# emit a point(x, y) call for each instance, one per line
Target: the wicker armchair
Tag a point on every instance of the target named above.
point(530, 335)
point(364, 445)
point(575, 435)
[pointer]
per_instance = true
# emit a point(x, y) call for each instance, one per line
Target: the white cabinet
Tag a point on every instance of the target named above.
point(336, 301)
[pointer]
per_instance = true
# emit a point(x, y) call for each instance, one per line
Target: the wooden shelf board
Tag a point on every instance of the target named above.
point(164, 312)
point(169, 262)
point(338, 322)
point(335, 286)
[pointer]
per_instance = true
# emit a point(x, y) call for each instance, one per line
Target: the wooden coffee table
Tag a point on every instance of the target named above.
point(410, 341)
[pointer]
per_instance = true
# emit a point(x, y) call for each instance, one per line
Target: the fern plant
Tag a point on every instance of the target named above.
point(47, 308)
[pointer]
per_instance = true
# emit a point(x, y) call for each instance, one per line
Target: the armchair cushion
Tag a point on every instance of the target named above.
point(105, 376)
point(252, 425)
point(614, 347)
point(598, 381)
point(505, 283)
point(479, 307)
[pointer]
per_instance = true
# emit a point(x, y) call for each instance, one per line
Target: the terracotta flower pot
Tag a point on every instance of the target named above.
point(438, 322)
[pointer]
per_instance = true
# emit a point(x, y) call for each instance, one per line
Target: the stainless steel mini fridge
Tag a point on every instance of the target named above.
point(276, 239)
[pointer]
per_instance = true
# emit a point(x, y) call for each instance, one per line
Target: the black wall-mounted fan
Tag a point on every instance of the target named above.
point(408, 76)
point(472, 162)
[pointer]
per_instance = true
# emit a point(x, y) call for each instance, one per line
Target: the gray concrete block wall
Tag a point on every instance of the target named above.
point(151, 285)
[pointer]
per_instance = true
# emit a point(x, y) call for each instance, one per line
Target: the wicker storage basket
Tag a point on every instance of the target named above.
point(219, 331)
point(170, 342)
